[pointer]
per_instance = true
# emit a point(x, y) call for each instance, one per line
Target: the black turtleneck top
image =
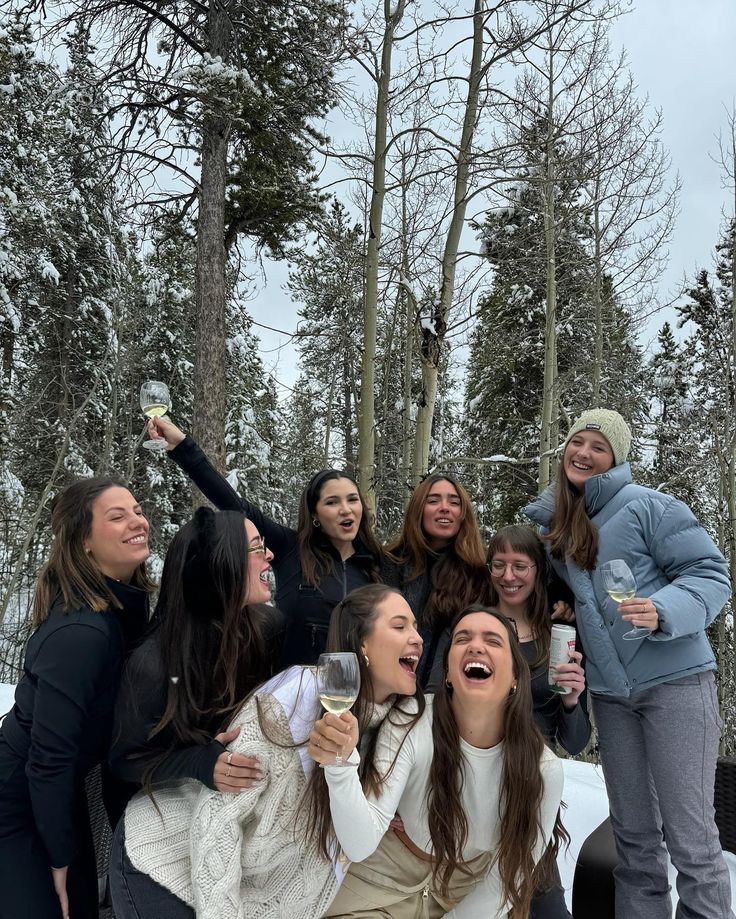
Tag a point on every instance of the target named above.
point(61, 722)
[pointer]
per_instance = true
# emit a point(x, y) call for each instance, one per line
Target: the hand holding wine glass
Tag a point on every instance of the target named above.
point(621, 586)
point(155, 402)
point(338, 685)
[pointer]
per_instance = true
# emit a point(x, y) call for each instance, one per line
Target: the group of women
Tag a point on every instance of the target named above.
point(447, 805)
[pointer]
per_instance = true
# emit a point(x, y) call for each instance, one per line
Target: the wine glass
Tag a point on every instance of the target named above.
point(338, 684)
point(620, 585)
point(155, 402)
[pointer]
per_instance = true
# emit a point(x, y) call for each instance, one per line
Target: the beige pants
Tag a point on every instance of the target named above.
point(393, 883)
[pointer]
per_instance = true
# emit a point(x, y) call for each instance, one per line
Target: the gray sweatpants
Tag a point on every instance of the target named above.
point(658, 751)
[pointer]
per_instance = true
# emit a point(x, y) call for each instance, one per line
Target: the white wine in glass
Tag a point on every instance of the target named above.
point(155, 402)
point(620, 585)
point(337, 704)
point(338, 684)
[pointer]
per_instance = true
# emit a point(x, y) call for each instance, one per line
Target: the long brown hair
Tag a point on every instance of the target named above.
point(213, 644)
point(70, 570)
point(522, 787)
point(351, 624)
point(459, 574)
point(572, 532)
point(315, 556)
point(526, 541)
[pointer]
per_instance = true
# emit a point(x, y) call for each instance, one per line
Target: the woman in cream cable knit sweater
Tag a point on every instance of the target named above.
point(260, 854)
point(476, 788)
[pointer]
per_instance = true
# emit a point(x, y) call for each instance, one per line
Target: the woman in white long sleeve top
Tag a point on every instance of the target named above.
point(476, 788)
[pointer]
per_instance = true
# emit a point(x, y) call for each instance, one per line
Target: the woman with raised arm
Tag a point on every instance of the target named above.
point(332, 551)
point(90, 606)
point(268, 852)
point(437, 562)
point(473, 782)
point(653, 694)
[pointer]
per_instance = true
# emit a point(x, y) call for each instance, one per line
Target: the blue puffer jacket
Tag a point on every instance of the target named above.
point(675, 563)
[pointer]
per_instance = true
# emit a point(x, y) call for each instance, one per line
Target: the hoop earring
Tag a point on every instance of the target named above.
point(367, 662)
point(448, 685)
point(315, 522)
point(513, 690)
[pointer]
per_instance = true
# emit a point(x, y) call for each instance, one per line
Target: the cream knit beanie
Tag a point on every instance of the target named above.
point(611, 425)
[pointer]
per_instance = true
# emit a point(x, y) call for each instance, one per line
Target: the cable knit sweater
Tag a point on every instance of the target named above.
point(243, 856)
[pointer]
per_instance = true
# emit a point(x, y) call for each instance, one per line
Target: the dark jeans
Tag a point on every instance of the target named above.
point(26, 884)
point(134, 894)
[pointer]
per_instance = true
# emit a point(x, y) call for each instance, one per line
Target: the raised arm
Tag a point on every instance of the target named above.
point(189, 456)
point(361, 821)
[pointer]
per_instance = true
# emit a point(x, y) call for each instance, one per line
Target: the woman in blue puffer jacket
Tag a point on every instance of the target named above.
point(654, 699)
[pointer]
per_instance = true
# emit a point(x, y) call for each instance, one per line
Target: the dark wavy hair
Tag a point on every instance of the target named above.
point(212, 642)
point(315, 557)
point(522, 786)
point(572, 532)
point(70, 570)
point(351, 624)
point(459, 574)
point(526, 541)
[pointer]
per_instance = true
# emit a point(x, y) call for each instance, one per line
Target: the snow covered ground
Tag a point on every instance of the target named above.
point(587, 807)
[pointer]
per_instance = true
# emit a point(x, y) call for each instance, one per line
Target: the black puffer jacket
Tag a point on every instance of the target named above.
point(307, 608)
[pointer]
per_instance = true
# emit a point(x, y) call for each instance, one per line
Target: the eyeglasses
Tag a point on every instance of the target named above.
point(260, 547)
point(520, 569)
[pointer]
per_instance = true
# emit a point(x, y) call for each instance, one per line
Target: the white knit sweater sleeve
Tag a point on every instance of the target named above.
point(220, 821)
point(486, 900)
point(361, 821)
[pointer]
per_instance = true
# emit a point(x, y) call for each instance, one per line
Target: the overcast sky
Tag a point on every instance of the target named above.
point(681, 53)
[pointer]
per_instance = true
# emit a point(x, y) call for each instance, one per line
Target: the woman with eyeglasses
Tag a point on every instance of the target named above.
point(211, 642)
point(331, 552)
point(437, 562)
point(519, 577)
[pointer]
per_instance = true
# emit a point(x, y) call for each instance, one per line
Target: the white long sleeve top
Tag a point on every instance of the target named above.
point(360, 821)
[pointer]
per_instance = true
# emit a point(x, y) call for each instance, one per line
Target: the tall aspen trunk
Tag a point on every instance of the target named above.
point(732, 414)
point(208, 423)
point(409, 318)
point(549, 402)
point(433, 333)
point(347, 417)
point(597, 299)
point(366, 410)
point(328, 419)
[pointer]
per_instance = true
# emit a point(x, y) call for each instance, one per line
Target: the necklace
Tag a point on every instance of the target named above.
point(527, 636)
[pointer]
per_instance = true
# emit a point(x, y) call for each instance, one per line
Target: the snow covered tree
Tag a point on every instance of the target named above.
point(233, 88)
point(328, 283)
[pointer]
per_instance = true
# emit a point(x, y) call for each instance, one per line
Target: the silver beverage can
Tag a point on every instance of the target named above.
point(561, 643)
